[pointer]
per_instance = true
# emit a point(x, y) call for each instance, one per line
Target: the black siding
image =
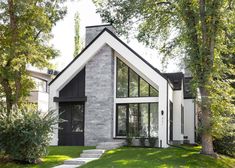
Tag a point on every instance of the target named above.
point(76, 87)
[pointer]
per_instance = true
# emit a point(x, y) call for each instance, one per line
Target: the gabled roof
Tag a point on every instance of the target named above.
point(176, 79)
point(120, 41)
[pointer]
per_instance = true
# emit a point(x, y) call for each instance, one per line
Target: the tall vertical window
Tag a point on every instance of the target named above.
point(144, 119)
point(122, 79)
point(133, 120)
point(153, 120)
point(121, 120)
point(130, 84)
point(133, 84)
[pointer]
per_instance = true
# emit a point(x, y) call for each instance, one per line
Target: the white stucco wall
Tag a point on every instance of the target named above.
point(189, 118)
point(43, 101)
point(178, 100)
point(170, 98)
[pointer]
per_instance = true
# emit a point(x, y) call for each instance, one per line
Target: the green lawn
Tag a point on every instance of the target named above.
point(57, 154)
point(156, 158)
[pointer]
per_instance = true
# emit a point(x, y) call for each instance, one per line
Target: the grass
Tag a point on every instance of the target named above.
point(128, 157)
point(56, 156)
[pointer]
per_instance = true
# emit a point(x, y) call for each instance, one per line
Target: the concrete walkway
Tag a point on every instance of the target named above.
point(90, 155)
point(85, 157)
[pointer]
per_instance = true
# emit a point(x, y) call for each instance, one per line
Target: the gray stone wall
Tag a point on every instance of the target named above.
point(99, 92)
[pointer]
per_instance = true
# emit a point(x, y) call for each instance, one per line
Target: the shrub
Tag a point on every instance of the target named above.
point(142, 141)
point(129, 140)
point(24, 133)
point(152, 141)
point(225, 146)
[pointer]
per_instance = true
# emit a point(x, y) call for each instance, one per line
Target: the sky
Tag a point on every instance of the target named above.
point(63, 36)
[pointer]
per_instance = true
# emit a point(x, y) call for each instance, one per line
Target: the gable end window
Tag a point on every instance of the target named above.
point(130, 84)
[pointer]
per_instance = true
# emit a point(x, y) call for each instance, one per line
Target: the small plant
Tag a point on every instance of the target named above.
point(129, 140)
point(152, 141)
point(142, 141)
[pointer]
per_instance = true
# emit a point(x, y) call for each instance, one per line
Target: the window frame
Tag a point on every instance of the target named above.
point(139, 117)
point(128, 82)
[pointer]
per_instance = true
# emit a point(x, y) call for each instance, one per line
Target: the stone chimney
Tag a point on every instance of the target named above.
point(93, 31)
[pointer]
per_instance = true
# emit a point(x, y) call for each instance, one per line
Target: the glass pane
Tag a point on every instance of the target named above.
point(144, 88)
point(154, 119)
point(153, 92)
point(143, 120)
point(133, 84)
point(122, 79)
point(121, 123)
point(77, 118)
point(133, 120)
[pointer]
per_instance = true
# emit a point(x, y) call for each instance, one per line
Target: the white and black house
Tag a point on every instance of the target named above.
point(109, 91)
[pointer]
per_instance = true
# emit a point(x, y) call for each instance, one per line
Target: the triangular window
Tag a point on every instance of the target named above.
point(130, 84)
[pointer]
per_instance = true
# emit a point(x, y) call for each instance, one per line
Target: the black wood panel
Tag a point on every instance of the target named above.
point(72, 131)
point(76, 87)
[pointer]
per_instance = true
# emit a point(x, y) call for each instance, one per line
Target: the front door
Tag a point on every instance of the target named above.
point(71, 132)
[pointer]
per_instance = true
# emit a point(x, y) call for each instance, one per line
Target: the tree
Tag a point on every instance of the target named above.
point(201, 30)
point(25, 28)
point(77, 39)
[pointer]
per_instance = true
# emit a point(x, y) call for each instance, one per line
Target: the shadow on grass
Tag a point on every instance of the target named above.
point(155, 157)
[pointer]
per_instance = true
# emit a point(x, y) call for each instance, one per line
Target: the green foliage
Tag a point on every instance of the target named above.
point(129, 140)
point(142, 141)
point(24, 134)
point(225, 145)
point(77, 38)
point(25, 28)
point(152, 141)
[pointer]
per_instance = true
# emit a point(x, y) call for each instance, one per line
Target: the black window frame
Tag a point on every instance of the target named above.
point(128, 115)
point(128, 83)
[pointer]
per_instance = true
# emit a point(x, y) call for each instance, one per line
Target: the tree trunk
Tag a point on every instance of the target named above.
point(207, 141)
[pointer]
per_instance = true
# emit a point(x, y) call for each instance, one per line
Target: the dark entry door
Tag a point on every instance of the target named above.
point(72, 132)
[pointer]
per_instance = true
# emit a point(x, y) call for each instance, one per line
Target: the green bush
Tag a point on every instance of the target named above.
point(142, 141)
point(225, 146)
point(152, 141)
point(24, 133)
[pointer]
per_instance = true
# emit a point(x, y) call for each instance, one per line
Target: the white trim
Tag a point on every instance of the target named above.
point(137, 100)
point(114, 95)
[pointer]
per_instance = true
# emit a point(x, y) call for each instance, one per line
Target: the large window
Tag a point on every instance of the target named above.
point(130, 84)
point(137, 119)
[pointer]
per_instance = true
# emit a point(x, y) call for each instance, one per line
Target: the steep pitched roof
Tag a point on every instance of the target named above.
point(120, 41)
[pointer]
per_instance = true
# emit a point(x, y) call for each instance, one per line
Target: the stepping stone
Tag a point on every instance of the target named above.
point(90, 155)
point(110, 145)
point(67, 166)
point(94, 151)
point(78, 161)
